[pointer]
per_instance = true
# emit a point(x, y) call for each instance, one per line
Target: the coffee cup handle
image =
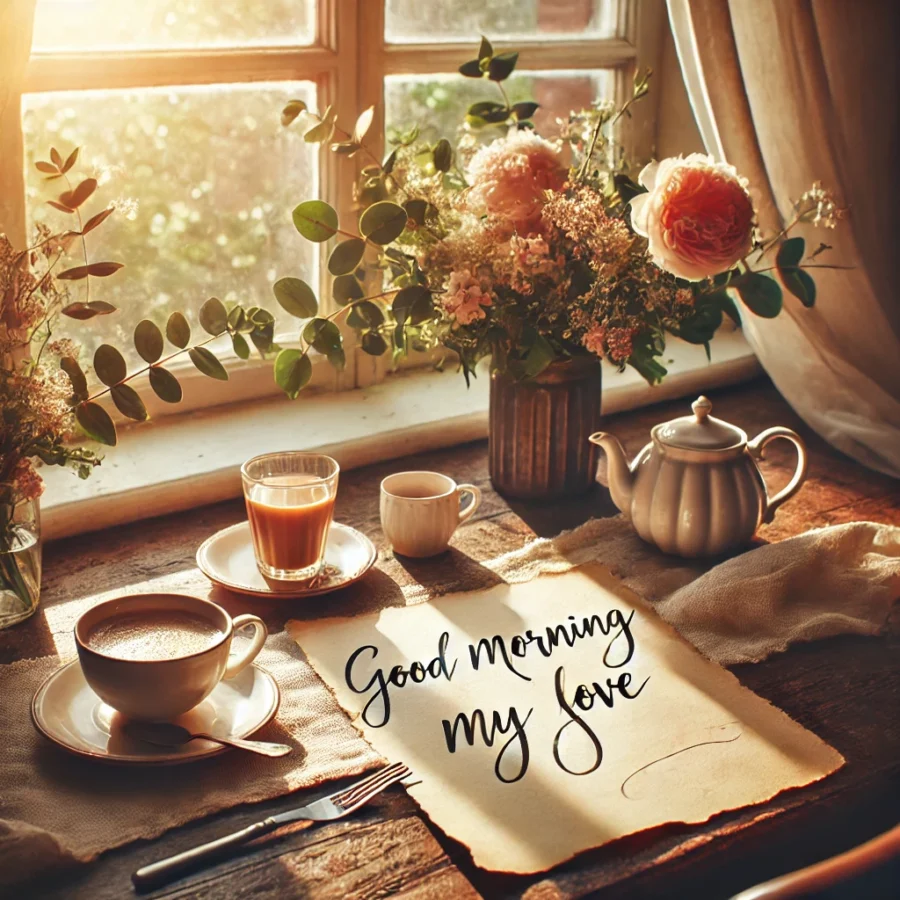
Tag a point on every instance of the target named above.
point(239, 662)
point(475, 492)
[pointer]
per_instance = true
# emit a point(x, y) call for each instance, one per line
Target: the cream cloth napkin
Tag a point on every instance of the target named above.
point(55, 808)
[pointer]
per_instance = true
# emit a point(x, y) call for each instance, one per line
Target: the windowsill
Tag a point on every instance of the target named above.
point(191, 460)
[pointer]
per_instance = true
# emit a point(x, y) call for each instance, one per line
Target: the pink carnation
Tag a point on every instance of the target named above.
point(466, 297)
point(696, 215)
point(510, 179)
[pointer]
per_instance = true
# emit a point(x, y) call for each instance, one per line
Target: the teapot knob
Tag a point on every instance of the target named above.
point(701, 407)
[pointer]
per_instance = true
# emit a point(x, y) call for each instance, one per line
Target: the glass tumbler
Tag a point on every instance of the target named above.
point(290, 502)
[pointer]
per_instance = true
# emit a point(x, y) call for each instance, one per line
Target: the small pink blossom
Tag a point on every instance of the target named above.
point(510, 179)
point(593, 340)
point(467, 296)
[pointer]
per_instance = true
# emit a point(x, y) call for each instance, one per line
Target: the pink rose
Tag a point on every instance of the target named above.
point(697, 216)
point(510, 178)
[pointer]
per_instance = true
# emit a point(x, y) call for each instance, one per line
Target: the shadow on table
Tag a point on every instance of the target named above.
point(549, 518)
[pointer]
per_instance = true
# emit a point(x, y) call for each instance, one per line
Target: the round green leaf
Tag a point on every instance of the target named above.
point(373, 343)
point(70, 366)
point(165, 385)
point(501, 67)
point(97, 424)
point(148, 341)
point(241, 347)
point(237, 319)
point(346, 289)
point(383, 222)
point(325, 337)
point(129, 402)
point(790, 253)
point(207, 363)
point(365, 314)
point(294, 296)
point(346, 256)
point(178, 331)
point(292, 371)
point(416, 210)
point(760, 293)
point(413, 303)
point(109, 364)
point(800, 284)
point(214, 316)
point(443, 155)
point(315, 220)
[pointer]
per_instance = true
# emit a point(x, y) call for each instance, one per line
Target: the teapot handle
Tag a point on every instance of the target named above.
point(757, 447)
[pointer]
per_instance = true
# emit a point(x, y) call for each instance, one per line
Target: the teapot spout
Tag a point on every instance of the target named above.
point(621, 478)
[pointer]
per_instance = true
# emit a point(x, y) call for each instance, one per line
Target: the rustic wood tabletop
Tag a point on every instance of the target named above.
point(847, 690)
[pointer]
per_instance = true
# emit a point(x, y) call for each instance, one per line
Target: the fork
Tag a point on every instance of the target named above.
point(335, 806)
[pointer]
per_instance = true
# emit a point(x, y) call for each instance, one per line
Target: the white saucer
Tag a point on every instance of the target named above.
point(70, 714)
point(227, 560)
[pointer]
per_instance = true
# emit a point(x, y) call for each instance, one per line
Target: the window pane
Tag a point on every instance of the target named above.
point(142, 24)
point(214, 177)
point(465, 20)
point(438, 103)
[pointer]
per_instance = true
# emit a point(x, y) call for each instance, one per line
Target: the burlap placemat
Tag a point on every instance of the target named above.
point(55, 808)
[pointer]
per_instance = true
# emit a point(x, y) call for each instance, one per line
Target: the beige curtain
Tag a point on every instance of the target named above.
point(16, 22)
point(791, 92)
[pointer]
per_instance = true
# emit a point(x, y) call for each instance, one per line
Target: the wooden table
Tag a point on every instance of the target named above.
point(847, 690)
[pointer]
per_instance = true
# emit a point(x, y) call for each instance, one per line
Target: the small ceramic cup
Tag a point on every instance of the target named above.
point(421, 510)
point(160, 690)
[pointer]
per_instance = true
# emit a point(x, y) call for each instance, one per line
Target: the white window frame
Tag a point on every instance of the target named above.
point(348, 73)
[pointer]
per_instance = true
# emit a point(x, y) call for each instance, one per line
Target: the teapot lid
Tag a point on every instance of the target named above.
point(700, 431)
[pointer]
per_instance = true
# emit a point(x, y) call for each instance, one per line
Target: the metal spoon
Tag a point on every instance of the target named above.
point(167, 734)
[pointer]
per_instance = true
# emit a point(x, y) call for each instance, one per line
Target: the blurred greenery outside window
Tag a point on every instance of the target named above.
point(176, 106)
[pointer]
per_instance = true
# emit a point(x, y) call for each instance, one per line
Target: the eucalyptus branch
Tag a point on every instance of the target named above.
point(348, 136)
point(87, 285)
point(147, 368)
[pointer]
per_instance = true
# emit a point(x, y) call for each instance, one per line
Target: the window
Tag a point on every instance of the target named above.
point(176, 106)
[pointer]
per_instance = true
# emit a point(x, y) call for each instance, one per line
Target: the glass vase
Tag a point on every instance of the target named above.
point(20, 565)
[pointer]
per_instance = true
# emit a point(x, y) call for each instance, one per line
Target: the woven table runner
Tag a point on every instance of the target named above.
point(55, 808)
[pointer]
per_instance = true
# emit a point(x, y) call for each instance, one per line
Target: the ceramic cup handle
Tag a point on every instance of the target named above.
point(475, 493)
point(239, 661)
point(756, 448)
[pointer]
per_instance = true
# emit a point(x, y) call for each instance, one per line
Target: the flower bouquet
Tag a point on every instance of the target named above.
point(544, 255)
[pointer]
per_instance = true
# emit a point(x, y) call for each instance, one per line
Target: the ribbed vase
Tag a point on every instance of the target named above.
point(539, 429)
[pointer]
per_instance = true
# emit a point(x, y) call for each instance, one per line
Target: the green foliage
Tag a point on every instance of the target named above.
point(148, 341)
point(760, 294)
point(292, 371)
point(214, 317)
point(442, 155)
point(88, 310)
point(296, 297)
point(501, 67)
point(324, 336)
point(383, 222)
point(109, 364)
point(373, 343)
point(128, 402)
point(165, 385)
point(346, 288)
point(787, 261)
point(178, 331)
point(70, 366)
point(96, 422)
point(316, 220)
point(345, 257)
point(207, 363)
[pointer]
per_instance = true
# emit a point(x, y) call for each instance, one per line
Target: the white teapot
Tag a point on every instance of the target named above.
point(695, 489)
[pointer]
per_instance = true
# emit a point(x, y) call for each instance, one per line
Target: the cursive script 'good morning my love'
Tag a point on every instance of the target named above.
point(364, 677)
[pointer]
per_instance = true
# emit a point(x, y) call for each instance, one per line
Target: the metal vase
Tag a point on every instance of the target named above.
point(538, 441)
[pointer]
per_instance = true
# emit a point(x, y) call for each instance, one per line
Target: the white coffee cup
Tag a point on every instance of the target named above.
point(421, 510)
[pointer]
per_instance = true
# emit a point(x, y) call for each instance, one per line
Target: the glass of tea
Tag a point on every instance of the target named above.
point(290, 500)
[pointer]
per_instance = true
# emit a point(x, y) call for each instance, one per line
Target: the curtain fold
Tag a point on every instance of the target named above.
point(796, 91)
point(16, 24)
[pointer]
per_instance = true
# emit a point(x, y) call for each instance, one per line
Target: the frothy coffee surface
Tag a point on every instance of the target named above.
point(148, 636)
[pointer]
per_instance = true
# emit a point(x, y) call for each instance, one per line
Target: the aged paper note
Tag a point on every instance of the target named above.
point(553, 716)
